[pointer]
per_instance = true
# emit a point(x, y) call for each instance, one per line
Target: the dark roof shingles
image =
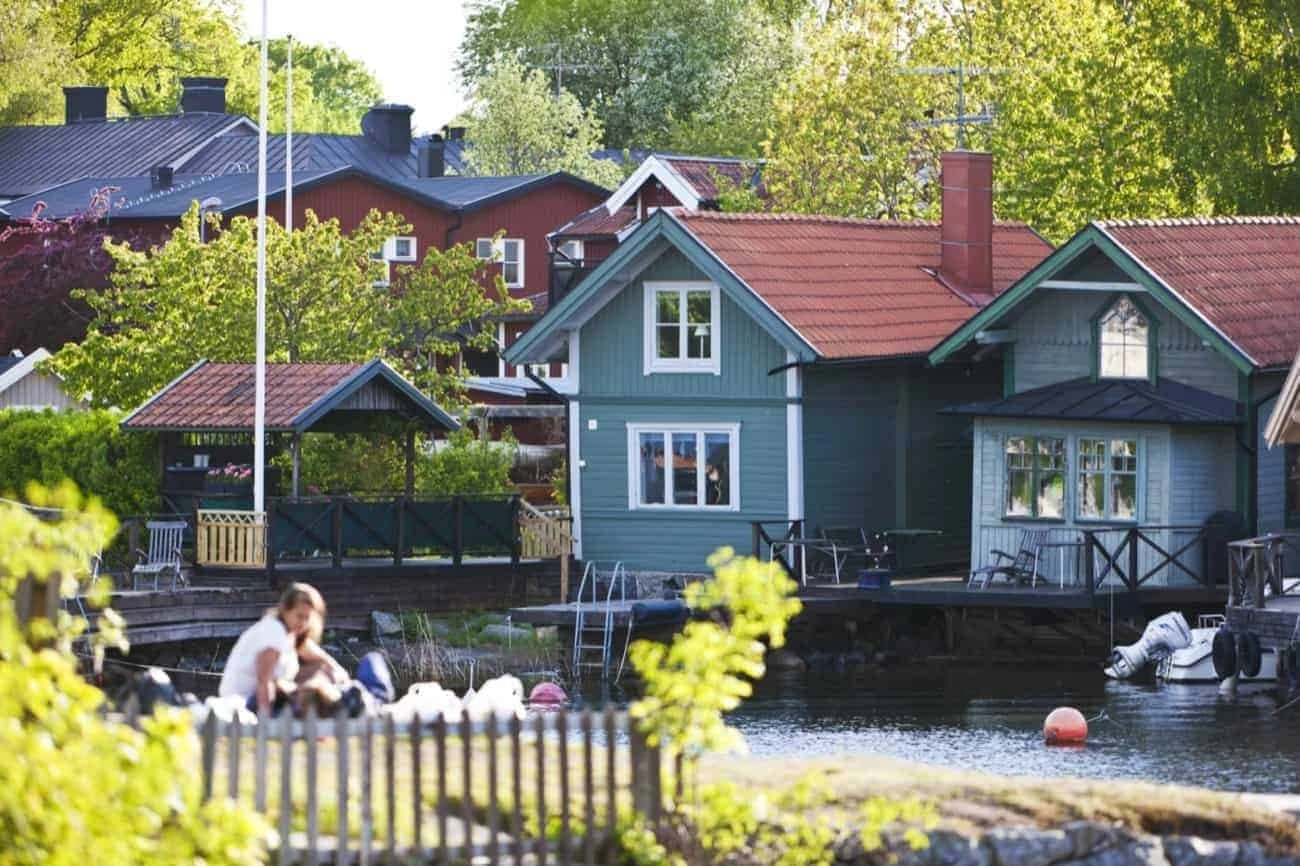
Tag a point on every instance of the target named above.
point(34, 158)
point(856, 288)
point(1137, 401)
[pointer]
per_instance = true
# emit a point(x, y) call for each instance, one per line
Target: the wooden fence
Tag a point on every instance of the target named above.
point(230, 539)
point(1257, 568)
point(373, 790)
point(545, 533)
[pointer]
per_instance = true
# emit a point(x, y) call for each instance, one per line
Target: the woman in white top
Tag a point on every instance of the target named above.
point(268, 650)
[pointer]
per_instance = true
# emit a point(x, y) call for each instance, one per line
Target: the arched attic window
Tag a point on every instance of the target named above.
point(1124, 342)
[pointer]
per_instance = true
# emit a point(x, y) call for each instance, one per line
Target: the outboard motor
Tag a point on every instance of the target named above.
point(1163, 635)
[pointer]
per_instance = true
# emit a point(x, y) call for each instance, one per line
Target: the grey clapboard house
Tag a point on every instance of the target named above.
point(1140, 360)
point(731, 368)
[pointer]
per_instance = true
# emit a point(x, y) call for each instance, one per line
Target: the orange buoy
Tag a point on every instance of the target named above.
point(1065, 726)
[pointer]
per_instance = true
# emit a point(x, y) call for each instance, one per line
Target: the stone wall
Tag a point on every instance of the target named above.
point(1080, 843)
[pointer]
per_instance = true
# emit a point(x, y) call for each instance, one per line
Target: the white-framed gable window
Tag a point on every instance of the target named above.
point(683, 467)
point(401, 249)
point(1123, 338)
point(509, 252)
point(682, 327)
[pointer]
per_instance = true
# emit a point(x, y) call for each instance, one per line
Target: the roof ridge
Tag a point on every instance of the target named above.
point(1160, 222)
point(757, 216)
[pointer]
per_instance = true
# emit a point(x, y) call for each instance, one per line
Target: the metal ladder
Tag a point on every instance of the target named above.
point(592, 632)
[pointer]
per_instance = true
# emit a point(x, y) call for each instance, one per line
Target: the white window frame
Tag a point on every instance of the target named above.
point(498, 247)
point(542, 370)
point(381, 259)
point(574, 258)
point(390, 249)
point(634, 480)
point(1108, 472)
point(652, 362)
point(1122, 345)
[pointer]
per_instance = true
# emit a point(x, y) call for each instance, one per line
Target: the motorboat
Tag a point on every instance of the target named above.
point(1195, 662)
point(1179, 653)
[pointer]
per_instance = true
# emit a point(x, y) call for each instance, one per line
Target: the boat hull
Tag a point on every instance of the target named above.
point(1195, 664)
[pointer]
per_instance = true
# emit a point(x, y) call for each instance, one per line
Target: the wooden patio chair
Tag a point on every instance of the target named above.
point(163, 555)
point(1021, 568)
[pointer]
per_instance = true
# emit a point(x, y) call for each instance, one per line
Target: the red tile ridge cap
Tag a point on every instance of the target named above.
point(739, 216)
point(1162, 222)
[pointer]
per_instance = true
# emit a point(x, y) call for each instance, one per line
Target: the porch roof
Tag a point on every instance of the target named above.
point(1135, 401)
point(212, 397)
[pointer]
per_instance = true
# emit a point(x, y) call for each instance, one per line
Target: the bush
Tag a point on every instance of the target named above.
point(86, 448)
point(356, 463)
point(76, 788)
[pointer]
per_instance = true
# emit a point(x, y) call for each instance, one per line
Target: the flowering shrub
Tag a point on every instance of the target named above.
point(232, 473)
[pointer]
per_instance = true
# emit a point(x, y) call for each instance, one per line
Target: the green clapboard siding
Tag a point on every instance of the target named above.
point(615, 392)
point(612, 358)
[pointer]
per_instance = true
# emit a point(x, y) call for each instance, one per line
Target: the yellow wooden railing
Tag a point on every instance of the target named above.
point(544, 533)
point(230, 539)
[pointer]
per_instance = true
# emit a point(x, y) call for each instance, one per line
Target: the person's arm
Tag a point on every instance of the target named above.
point(309, 650)
point(265, 667)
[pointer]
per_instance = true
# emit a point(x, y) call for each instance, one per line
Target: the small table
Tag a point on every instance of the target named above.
point(838, 551)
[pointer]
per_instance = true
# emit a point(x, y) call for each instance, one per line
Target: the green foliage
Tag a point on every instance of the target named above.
point(707, 669)
point(518, 125)
point(171, 306)
point(651, 70)
point(845, 137)
point(86, 448)
point(76, 788)
point(335, 463)
point(559, 479)
point(48, 43)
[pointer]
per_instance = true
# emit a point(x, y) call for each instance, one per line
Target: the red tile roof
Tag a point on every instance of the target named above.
point(702, 174)
point(1241, 273)
point(597, 222)
point(220, 396)
point(857, 288)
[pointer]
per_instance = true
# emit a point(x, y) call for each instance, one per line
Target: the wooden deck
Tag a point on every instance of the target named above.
point(221, 604)
point(940, 591)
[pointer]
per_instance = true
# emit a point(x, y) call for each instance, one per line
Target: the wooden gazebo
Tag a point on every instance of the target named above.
point(204, 419)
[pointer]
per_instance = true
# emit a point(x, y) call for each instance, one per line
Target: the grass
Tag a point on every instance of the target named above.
point(972, 802)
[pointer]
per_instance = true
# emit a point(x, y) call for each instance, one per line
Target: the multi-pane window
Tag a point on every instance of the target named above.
point(1035, 467)
point(1108, 479)
point(683, 328)
point(509, 252)
point(683, 468)
point(400, 249)
point(1123, 338)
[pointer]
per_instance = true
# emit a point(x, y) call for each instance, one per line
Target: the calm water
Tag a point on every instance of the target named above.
point(992, 720)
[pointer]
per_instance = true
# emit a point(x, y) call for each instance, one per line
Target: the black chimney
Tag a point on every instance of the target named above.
point(203, 95)
point(455, 133)
point(85, 103)
point(389, 127)
point(430, 157)
point(160, 177)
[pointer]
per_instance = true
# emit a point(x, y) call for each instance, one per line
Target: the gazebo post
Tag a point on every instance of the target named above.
point(296, 446)
point(410, 461)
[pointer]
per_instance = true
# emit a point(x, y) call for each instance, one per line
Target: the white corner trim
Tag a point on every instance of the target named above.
point(575, 475)
point(634, 429)
point(654, 364)
point(794, 440)
point(22, 369)
point(573, 379)
point(661, 171)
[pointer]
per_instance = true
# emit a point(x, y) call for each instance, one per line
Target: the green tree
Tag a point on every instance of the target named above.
point(643, 66)
point(848, 131)
point(29, 50)
point(519, 126)
point(76, 788)
point(170, 306)
point(331, 90)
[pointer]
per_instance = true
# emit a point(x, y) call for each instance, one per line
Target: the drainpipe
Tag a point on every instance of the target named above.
point(453, 228)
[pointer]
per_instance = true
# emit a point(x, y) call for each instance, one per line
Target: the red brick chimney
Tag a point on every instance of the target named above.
point(966, 236)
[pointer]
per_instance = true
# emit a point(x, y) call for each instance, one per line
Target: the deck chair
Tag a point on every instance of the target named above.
point(1021, 568)
point(163, 555)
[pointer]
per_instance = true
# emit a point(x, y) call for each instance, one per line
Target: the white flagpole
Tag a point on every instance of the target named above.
point(259, 399)
point(288, 137)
